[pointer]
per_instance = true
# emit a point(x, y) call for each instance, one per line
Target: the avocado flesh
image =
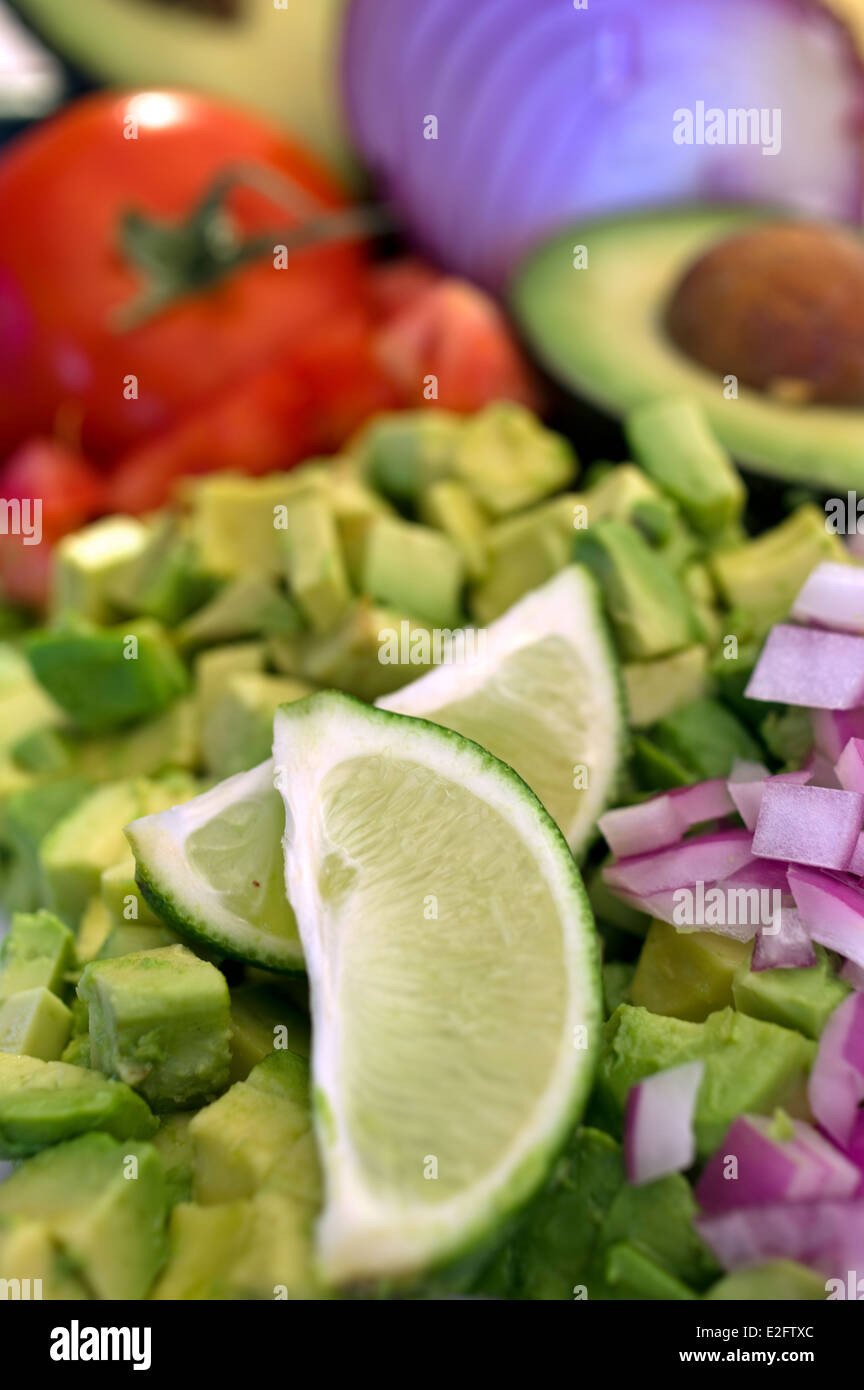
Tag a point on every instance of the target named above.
point(44, 1103)
point(804, 999)
point(687, 974)
point(780, 1281)
point(599, 332)
point(750, 1066)
point(111, 1227)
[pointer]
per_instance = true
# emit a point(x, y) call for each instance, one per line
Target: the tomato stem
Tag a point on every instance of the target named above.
point(178, 258)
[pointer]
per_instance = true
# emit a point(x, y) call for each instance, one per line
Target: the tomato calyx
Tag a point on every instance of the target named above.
point(175, 258)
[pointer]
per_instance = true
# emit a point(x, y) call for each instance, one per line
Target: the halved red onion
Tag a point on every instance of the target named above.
point(664, 819)
point(748, 795)
point(790, 948)
point(547, 113)
point(836, 1086)
point(808, 825)
point(827, 1235)
point(704, 859)
point(832, 910)
point(754, 1166)
point(658, 1123)
point(832, 596)
point(808, 666)
point(850, 766)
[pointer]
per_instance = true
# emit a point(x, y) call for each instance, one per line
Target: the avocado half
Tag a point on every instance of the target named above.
point(600, 332)
point(281, 59)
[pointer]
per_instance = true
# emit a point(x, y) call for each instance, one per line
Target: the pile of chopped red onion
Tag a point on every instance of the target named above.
point(799, 1192)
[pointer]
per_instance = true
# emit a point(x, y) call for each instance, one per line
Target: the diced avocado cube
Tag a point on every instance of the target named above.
point(259, 1248)
point(33, 1263)
point(750, 1066)
point(613, 494)
point(674, 443)
point(173, 1143)
point(630, 1273)
point(165, 580)
point(450, 507)
point(238, 522)
point(523, 552)
point(687, 974)
point(43, 1103)
point(404, 453)
point(705, 737)
point(238, 730)
point(556, 1247)
point(76, 1053)
point(109, 1221)
point(242, 1138)
point(160, 1021)
point(249, 606)
point(24, 705)
point(128, 939)
point(93, 931)
point(122, 896)
point(804, 999)
point(26, 818)
point(762, 577)
point(214, 668)
point(647, 605)
point(414, 568)
point(36, 952)
point(35, 1023)
point(508, 460)
point(779, 1281)
point(374, 651)
point(315, 569)
point(699, 584)
point(43, 750)
point(169, 741)
point(657, 1219)
point(86, 841)
point(105, 678)
point(86, 563)
point(659, 687)
point(260, 1022)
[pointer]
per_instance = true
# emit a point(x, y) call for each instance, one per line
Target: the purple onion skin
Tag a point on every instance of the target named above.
point(586, 127)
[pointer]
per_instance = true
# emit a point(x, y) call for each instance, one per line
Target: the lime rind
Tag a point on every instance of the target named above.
point(366, 1232)
point(568, 612)
point(184, 897)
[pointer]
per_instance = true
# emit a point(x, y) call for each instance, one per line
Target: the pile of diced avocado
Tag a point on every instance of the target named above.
point(126, 1054)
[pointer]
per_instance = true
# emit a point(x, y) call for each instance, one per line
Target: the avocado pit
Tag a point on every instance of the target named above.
point(781, 308)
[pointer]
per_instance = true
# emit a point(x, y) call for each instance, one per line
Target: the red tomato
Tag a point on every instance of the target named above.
point(64, 280)
point(68, 493)
point(455, 333)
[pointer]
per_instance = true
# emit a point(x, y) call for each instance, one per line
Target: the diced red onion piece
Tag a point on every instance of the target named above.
point(747, 770)
point(808, 666)
point(856, 863)
point(832, 596)
point(748, 795)
point(836, 1086)
point(790, 948)
point(705, 859)
point(831, 910)
point(832, 730)
point(766, 1169)
point(662, 820)
point(821, 771)
point(850, 766)
point(827, 1235)
point(808, 825)
point(658, 1123)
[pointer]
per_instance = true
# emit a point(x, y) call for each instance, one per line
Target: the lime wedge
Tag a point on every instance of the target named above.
point(453, 968)
point(543, 695)
point(213, 868)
